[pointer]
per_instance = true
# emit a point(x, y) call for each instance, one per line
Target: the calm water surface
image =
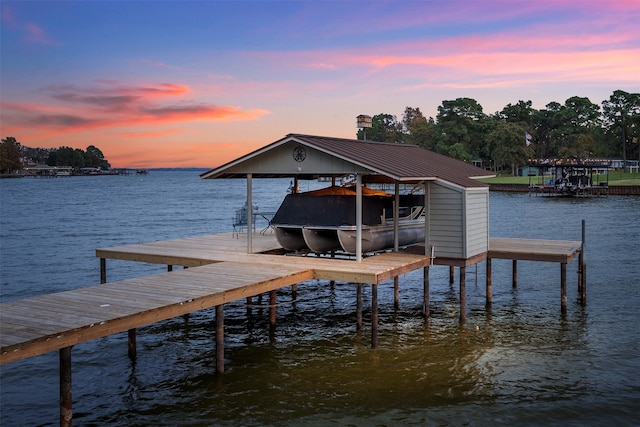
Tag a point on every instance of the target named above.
point(519, 363)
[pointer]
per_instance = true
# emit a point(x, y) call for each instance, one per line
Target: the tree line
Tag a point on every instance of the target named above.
point(510, 137)
point(14, 156)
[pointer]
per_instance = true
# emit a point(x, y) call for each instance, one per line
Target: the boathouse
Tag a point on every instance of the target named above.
point(457, 205)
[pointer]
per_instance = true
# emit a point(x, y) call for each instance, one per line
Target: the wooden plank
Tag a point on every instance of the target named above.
point(66, 329)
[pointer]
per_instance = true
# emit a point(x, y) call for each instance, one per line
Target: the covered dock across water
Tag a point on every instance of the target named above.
point(223, 268)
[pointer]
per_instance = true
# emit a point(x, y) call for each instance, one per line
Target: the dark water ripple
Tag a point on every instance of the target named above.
point(520, 362)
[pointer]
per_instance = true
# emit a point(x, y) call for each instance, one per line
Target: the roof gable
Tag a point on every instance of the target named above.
point(308, 155)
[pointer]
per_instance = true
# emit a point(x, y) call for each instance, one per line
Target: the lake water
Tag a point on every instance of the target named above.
point(520, 363)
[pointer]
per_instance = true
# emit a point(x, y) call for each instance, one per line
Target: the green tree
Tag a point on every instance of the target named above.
point(621, 114)
point(461, 121)
point(508, 147)
point(10, 155)
point(578, 119)
point(67, 156)
point(94, 158)
point(417, 129)
point(522, 113)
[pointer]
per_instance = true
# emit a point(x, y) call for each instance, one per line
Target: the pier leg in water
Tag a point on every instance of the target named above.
point(359, 307)
point(220, 339)
point(374, 315)
point(563, 287)
point(514, 273)
point(272, 314)
point(66, 412)
point(452, 274)
point(396, 292)
point(425, 297)
point(131, 344)
point(463, 294)
point(103, 270)
point(582, 269)
point(489, 283)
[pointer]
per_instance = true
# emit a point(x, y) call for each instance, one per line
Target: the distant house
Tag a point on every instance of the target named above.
point(457, 205)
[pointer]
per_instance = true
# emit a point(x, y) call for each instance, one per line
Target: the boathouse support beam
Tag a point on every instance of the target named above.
point(463, 294)
point(396, 242)
point(358, 217)
point(220, 339)
point(249, 213)
point(66, 412)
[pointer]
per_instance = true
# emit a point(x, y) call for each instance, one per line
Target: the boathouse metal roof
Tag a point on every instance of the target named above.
point(309, 156)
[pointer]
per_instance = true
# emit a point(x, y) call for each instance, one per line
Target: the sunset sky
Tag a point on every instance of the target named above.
point(199, 83)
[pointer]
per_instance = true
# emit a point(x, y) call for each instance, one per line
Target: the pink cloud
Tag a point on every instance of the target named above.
point(114, 105)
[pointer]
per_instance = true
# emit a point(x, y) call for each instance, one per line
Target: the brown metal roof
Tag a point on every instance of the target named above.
point(385, 161)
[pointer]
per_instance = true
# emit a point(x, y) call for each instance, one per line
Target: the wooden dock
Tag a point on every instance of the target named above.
point(220, 271)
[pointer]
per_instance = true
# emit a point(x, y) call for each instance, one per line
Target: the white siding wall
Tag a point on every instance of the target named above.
point(446, 221)
point(477, 220)
point(458, 221)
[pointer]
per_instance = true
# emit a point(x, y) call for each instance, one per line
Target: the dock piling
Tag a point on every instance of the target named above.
point(359, 307)
point(563, 287)
point(463, 294)
point(374, 315)
point(220, 339)
point(514, 274)
point(582, 269)
point(66, 412)
point(489, 283)
point(425, 297)
point(131, 344)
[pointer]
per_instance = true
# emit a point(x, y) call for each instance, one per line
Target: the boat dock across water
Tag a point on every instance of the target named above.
point(219, 271)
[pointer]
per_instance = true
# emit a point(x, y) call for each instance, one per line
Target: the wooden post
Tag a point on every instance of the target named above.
point(220, 339)
point(452, 274)
point(66, 412)
point(563, 287)
point(359, 307)
point(294, 292)
point(582, 260)
point(396, 293)
point(169, 267)
point(514, 273)
point(463, 294)
point(425, 297)
point(272, 312)
point(103, 270)
point(131, 344)
point(374, 315)
point(489, 282)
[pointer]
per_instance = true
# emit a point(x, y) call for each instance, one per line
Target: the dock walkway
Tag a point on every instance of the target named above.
point(35, 326)
point(219, 271)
